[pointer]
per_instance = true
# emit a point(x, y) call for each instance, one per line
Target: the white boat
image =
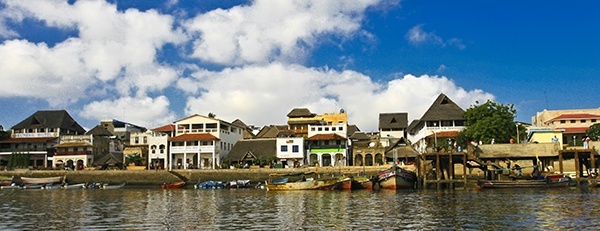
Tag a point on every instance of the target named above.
point(74, 186)
point(115, 186)
point(42, 180)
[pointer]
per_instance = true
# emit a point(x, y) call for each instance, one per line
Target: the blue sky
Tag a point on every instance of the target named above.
point(153, 62)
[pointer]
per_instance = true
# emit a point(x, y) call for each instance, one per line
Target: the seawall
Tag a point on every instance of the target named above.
point(158, 177)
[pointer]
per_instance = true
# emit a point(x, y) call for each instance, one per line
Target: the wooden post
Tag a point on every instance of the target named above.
point(465, 170)
point(423, 167)
point(577, 167)
point(451, 170)
point(592, 159)
point(560, 161)
point(437, 169)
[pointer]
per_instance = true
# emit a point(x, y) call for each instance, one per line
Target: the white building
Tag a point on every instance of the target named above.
point(201, 142)
point(290, 151)
point(328, 145)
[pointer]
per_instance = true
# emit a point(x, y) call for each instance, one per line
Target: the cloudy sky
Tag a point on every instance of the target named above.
point(153, 62)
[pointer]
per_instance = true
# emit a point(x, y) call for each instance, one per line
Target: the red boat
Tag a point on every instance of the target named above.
point(173, 185)
point(344, 183)
point(397, 178)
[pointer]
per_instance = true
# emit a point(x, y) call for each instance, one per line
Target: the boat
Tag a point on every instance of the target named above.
point(237, 184)
point(33, 186)
point(109, 186)
point(179, 184)
point(73, 186)
point(396, 177)
point(209, 185)
point(42, 180)
point(344, 183)
point(543, 183)
point(12, 186)
point(362, 182)
point(313, 182)
point(6, 181)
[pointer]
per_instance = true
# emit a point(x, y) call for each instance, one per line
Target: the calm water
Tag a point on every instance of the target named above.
point(253, 209)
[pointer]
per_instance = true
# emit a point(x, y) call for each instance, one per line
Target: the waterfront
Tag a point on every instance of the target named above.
point(253, 209)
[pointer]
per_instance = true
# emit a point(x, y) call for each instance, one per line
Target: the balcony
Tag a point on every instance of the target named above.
point(192, 149)
point(73, 153)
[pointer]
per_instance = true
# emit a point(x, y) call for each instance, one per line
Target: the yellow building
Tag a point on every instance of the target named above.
point(300, 118)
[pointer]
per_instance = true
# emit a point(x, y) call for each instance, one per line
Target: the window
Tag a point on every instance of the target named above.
point(459, 123)
point(312, 129)
point(137, 140)
point(333, 129)
point(593, 120)
point(320, 129)
point(326, 129)
point(573, 121)
point(295, 148)
point(582, 121)
point(341, 128)
point(563, 121)
point(284, 148)
point(446, 123)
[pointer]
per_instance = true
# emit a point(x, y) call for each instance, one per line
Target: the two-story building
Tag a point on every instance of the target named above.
point(327, 145)
point(442, 121)
point(201, 142)
point(158, 145)
point(573, 123)
point(300, 118)
point(38, 134)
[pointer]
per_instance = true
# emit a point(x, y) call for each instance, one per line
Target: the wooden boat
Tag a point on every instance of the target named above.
point(362, 182)
point(73, 186)
point(303, 183)
point(42, 180)
point(6, 181)
point(396, 177)
point(179, 184)
point(115, 186)
point(13, 186)
point(344, 183)
point(209, 185)
point(33, 186)
point(544, 183)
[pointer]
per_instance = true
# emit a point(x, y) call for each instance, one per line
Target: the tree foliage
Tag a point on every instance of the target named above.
point(593, 132)
point(489, 121)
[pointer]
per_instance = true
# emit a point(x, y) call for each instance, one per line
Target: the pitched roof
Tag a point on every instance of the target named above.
point(50, 119)
point(274, 131)
point(393, 120)
point(258, 148)
point(99, 130)
point(165, 128)
point(109, 158)
point(328, 136)
point(401, 149)
point(194, 136)
point(412, 126)
point(443, 108)
point(359, 136)
point(352, 129)
point(300, 112)
point(247, 130)
point(575, 130)
point(575, 116)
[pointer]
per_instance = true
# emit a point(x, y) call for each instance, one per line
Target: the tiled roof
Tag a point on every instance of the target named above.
point(575, 116)
point(575, 130)
point(165, 128)
point(329, 136)
point(193, 136)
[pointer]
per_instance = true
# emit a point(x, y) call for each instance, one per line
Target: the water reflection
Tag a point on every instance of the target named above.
point(188, 209)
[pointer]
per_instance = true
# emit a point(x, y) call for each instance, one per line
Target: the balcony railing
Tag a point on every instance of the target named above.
point(73, 153)
point(192, 149)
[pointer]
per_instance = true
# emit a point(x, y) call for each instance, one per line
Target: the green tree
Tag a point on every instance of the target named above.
point(489, 121)
point(135, 158)
point(593, 132)
point(212, 115)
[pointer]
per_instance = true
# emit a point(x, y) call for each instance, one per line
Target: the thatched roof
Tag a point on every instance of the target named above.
point(393, 121)
point(252, 149)
point(300, 112)
point(99, 130)
point(443, 108)
point(51, 119)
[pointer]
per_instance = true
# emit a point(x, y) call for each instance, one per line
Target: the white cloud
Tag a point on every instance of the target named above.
point(263, 95)
point(143, 111)
point(417, 36)
point(112, 47)
point(268, 31)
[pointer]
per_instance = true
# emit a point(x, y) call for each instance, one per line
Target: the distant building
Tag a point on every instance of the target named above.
point(573, 122)
point(300, 118)
point(37, 135)
point(392, 127)
point(158, 144)
point(443, 120)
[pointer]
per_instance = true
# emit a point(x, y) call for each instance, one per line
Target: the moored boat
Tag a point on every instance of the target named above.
point(179, 184)
point(42, 180)
point(73, 186)
point(6, 181)
point(303, 182)
point(396, 177)
point(543, 183)
point(238, 184)
point(112, 186)
point(362, 182)
point(344, 183)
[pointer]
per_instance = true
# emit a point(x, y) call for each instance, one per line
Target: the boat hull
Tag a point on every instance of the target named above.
point(41, 180)
point(303, 185)
point(173, 185)
point(546, 183)
point(397, 178)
